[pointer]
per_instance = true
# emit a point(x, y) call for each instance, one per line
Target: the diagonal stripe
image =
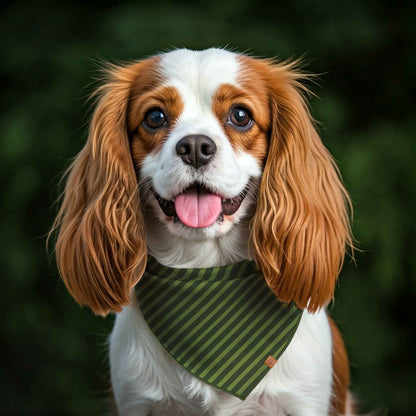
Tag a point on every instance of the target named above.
point(231, 371)
point(291, 325)
point(190, 316)
point(157, 285)
point(219, 333)
point(239, 344)
point(237, 320)
point(245, 382)
point(191, 327)
point(235, 339)
point(182, 304)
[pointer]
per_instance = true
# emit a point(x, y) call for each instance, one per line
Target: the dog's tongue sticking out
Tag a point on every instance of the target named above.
point(197, 207)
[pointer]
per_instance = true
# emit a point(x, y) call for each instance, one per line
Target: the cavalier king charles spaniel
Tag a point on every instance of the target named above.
point(203, 159)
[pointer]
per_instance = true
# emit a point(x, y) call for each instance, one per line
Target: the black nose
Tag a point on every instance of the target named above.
point(196, 150)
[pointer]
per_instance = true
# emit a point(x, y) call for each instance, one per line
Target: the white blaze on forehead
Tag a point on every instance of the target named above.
point(198, 74)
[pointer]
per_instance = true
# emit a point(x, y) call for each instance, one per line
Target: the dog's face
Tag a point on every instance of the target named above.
point(191, 143)
point(199, 140)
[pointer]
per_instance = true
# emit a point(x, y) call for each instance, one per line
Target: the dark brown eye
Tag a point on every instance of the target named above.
point(240, 117)
point(155, 119)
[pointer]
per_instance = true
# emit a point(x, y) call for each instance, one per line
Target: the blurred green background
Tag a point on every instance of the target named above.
point(53, 358)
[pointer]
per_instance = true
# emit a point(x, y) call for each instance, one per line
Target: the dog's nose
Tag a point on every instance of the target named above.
point(196, 150)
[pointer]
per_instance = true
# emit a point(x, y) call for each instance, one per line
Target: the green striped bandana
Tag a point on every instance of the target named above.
point(222, 324)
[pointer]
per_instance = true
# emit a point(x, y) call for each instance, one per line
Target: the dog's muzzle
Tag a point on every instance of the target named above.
point(198, 207)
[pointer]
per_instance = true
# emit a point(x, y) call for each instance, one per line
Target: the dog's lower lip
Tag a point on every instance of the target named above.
point(229, 206)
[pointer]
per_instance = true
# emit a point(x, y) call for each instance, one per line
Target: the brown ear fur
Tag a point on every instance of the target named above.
point(301, 225)
point(101, 246)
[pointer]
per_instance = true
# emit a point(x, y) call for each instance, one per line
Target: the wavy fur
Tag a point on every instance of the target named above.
point(301, 226)
point(101, 246)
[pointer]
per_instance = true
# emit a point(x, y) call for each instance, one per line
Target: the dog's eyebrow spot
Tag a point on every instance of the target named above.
point(165, 97)
point(143, 141)
point(253, 140)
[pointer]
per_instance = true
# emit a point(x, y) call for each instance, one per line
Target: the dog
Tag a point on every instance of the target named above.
point(201, 160)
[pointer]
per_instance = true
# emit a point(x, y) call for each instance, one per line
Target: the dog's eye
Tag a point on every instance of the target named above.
point(240, 117)
point(155, 119)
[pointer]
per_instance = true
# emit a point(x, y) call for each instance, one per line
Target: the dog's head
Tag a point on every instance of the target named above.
point(197, 142)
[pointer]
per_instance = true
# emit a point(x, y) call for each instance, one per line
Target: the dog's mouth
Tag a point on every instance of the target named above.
point(199, 207)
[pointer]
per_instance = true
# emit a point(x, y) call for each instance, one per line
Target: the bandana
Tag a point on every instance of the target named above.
point(222, 324)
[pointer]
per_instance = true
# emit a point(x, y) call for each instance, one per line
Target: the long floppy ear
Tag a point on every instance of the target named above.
point(301, 225)
point(101, 246)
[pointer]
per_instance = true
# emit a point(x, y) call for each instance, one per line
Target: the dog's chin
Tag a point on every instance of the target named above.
point(215, 230)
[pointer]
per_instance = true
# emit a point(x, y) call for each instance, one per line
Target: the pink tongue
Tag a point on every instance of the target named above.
point(198, 209)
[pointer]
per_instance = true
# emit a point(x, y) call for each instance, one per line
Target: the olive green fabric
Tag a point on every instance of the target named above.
point(222, 324)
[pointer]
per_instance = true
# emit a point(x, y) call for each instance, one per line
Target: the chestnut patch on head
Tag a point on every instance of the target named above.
point(244, 116)
point(152, 115)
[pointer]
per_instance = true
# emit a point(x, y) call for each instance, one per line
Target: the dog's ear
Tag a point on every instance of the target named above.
point(101, 246)
point(301, 225)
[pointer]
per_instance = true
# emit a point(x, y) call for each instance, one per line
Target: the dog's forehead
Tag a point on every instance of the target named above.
point(199, 72)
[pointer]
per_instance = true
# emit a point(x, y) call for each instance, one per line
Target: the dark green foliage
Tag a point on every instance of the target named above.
point(53, 358)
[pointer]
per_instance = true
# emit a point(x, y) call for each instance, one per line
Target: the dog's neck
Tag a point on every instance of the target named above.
point(176, 251)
